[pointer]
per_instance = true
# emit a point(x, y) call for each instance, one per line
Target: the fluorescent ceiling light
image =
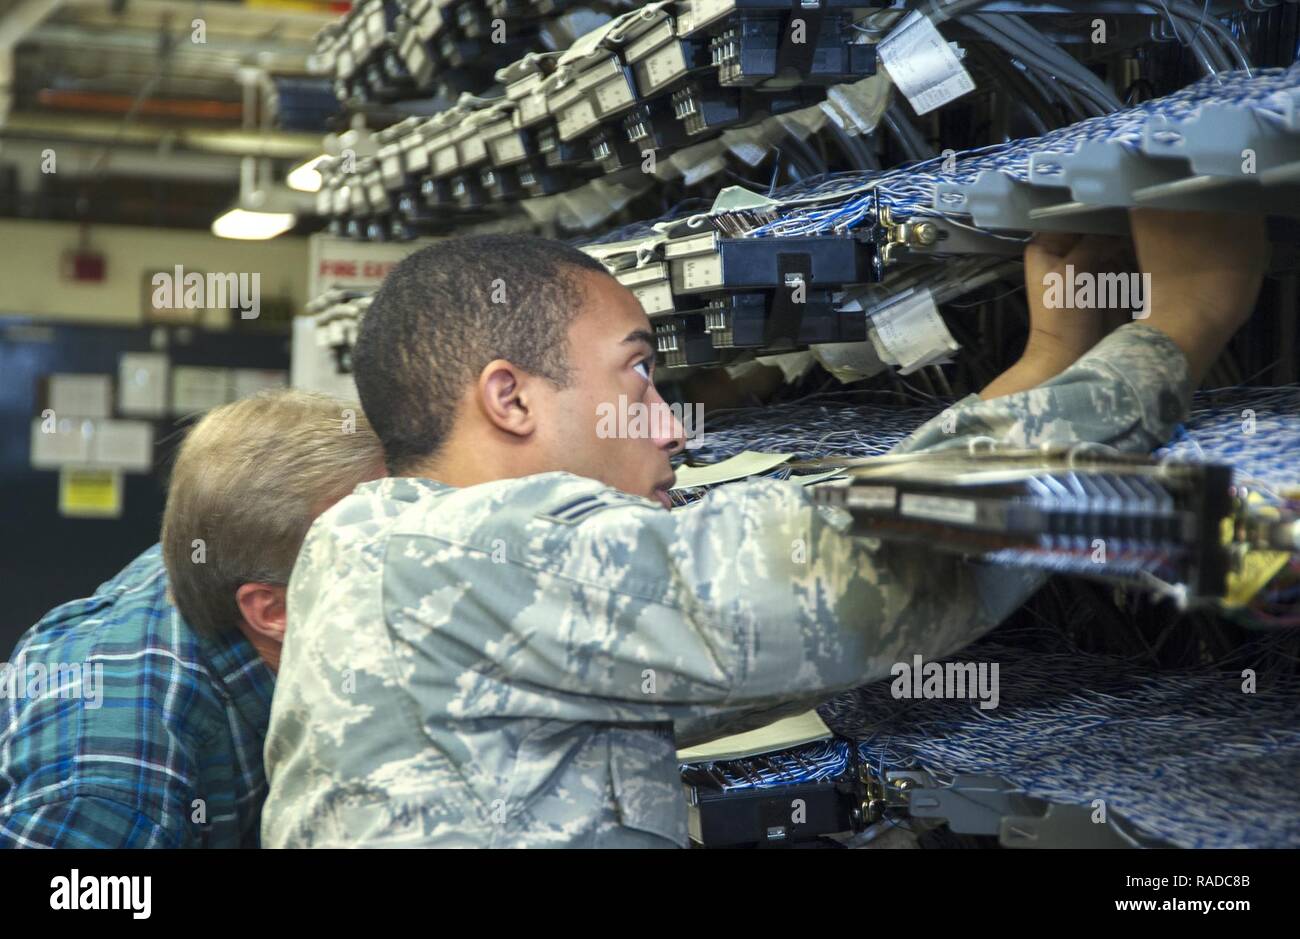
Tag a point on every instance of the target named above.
point(304, 176)
point(252, 226)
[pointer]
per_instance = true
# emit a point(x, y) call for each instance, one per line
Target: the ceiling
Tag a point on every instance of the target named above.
point(143, 103)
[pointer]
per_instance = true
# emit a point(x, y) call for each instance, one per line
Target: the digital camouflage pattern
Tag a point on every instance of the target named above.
point(514, 664)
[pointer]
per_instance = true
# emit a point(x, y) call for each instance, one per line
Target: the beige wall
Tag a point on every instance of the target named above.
point(32, 284)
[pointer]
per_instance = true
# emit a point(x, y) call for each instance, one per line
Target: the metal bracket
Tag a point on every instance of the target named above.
point(989, 805)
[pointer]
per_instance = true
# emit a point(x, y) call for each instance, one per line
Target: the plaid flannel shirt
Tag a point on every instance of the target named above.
point(123, 727)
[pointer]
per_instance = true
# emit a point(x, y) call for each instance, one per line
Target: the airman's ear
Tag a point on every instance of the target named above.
point(502, 395)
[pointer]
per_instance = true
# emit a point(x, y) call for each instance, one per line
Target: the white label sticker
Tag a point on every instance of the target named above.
point(912, 331)
point(870, 497)
point(444, 161)
point(939, 508)
point(472, 150)
point(655, 298)
point(531, 107)
point(576, 120)
point(507, 149)
point(923, 65)
point(703, 12)
point(661, 67)
point(695, 274)
point(614, 94)
point(417, 158)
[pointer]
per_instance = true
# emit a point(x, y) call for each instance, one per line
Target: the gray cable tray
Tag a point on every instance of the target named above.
point(1199, 163)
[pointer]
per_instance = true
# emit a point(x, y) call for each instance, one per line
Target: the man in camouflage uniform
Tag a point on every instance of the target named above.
point(504, 645)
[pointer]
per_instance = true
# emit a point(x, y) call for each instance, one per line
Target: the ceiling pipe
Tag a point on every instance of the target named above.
point(57, 99)
point(275, 144)
point(14, 28)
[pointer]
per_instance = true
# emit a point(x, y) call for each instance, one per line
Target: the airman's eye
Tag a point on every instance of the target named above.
point(643, 368)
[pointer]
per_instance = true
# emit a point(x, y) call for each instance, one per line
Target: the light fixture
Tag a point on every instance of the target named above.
point(305, 177)
point(263, 209)
point(252, 226)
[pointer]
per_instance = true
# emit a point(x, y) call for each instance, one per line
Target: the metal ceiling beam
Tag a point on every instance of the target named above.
point(276, 144)
point(236, 17)
point(215, 55)
point(14, 28)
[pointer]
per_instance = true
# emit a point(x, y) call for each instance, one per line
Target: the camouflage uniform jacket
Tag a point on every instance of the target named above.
point(514, 663)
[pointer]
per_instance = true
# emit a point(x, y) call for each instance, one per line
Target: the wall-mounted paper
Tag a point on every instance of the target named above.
point(124, 445)
point(81, 395)
point(86, 492)
point(57, 442)
point(199, 389)
point(142, 384)
point(248, 381)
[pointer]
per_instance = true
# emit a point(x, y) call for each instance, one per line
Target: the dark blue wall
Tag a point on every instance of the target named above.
point(45, 559)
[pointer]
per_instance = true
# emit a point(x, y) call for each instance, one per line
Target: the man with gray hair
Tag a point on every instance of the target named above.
point(153, 736)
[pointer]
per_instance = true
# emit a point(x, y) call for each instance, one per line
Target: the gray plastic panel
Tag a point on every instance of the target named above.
point(1227, 158)
point(1101, 173)
point(997, 201)
point(1214, 143)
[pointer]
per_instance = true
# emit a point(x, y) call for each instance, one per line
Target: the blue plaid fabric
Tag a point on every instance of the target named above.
point(123, 727)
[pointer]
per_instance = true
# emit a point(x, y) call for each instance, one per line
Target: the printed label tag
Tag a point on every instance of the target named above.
point(923, 65)
point(912, 331)
point(939, 508)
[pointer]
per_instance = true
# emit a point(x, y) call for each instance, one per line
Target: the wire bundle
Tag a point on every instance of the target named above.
point(1188, 757)
point(825, 759)
point(809, 430)
point(1257, 430)
point(844, 201)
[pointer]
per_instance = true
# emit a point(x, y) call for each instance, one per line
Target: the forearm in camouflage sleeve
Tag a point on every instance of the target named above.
point(860, 611)
point(1128, 392)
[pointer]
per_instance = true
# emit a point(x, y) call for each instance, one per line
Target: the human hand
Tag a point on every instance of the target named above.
point(1205, 273)
point(1059, 333)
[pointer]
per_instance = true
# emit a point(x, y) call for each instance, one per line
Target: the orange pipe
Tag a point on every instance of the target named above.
point(105, 103)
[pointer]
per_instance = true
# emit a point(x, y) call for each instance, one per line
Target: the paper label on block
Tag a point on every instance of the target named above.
point(912, 331)
point(871, 497)
point(939, 508)
point(923, 65)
